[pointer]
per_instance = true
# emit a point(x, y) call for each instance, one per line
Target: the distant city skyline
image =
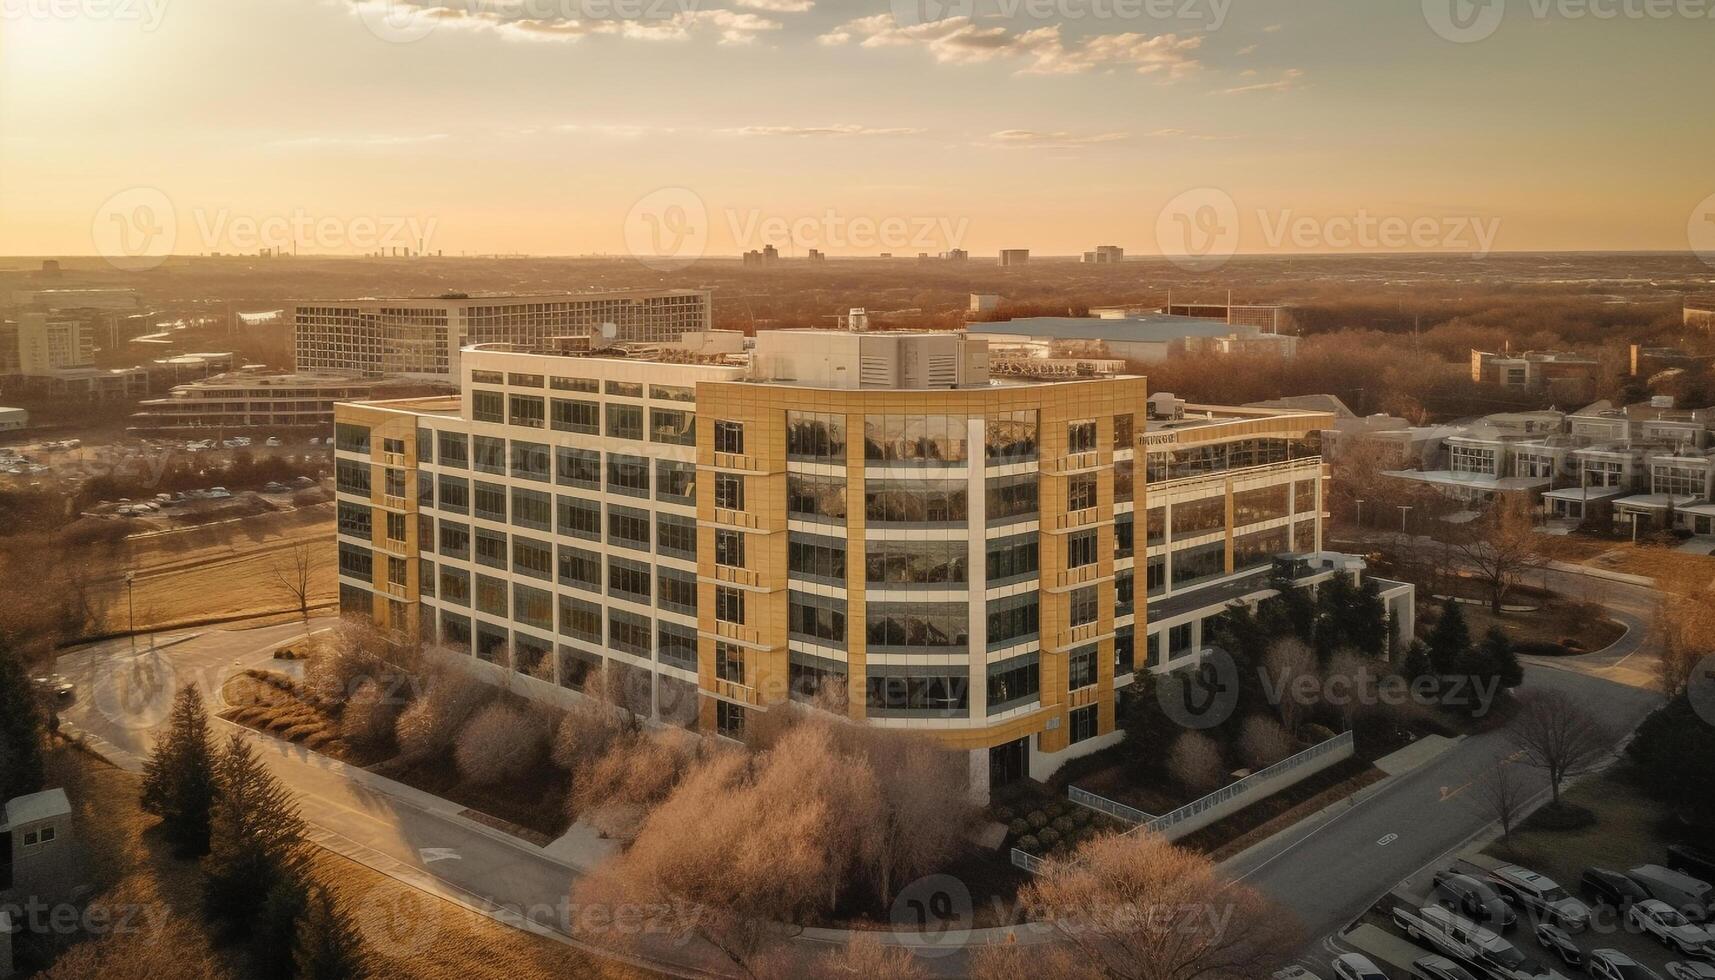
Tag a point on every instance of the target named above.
point(558, 127)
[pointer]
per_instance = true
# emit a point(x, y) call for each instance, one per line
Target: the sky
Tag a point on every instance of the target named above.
point(676, 128)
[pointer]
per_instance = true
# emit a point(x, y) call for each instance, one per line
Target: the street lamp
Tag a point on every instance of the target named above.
point(1403, 510)
point(131, 608)
point(1634, 516)
point(1360, 515)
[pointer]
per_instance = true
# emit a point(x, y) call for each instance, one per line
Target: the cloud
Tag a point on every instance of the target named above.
point(375, 140)
point(839, 130)
point(1185, 134)
point(1287, 82)
point(616, 130)
point(962, 41)
point(779, 6)
point(1274, 28)
point(1249, 49)
point(1060, 140)
point(507, 19)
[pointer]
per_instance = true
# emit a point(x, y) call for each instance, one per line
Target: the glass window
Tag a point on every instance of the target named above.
point(627, 475)
point(729, 437)
point(580, 568)
point(923, 690)
point(675, 536)
point(808, 676)
point(678, 591)
point(625, 389)
point(533, 607)
point(672, 393)
point(1012, 558)
point(491, 595)
point(524, 380)
point(1080, 491)
point(906, 563)
point(729, 662)
point(526, 411)
point(487, 406)
point(1012, 498)
point(1081, 606)
point(490, 501)
point(578, 518)
point(628, 579)
point(817, 618)
point(816, 497)
point(576, 415)
point(1081, 548)
point(918, 439)
point(533, 558)
point(491, 548)
point(624, 421)
point(1013, 683)
point(580, 619)
point(729, 491)
point(675, 645)
point(675, 482)
point(532, 461)
point(729, 548)
point(1013, 619)
point(587, 385)
point(915, 501)
point(1080, 668)
point(810, 556)
point(917, 624)
point(729, 604)
point(454, 449)
point(455, 540)
point(628, 527)
point(455, 585)
point(1010, 437)
point(672, 427)
point(351, 438)
point(1081, 436)
point(816, 437)
point(578, 468)
point(488, 454)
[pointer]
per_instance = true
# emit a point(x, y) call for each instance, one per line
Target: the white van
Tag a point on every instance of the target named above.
point(1689, 896)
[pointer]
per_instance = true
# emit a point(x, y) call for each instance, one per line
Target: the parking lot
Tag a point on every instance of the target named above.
point(1406, 937)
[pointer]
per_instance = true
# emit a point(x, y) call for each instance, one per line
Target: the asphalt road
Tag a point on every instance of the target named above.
point(1331, 872)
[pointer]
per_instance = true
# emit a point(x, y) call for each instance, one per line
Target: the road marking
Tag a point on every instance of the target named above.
point(432, 854)
point(1448, 794)
point(1385, 841)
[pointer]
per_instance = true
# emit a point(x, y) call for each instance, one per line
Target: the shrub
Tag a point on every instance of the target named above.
point(1018, 828)
point(501, 743)
point(1037, 819)
point(1055, 809)
point(1004, 814)
point(585, 733)
point(1029, 845)
point(367, 721)
point(1063, 824)
point(1195, 762)
point(1048, 836)
point(1081, 816)
point(636, 769)
point(428, 726)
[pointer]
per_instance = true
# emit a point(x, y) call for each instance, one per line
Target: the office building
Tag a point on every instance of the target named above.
point(1263, 317)
point(867, 517)
point(1014, 256)
point(420, 338)
point(1138, 336)
point(39, 345)
point(1561, 374)
point(1105, 255)
point(255, 399)
point(984, 302)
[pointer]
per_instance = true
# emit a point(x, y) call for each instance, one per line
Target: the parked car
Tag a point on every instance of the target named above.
point(1611, 964)
point(1691, 896)
point(1690, 971)
point(54, 686)
point(1554, 939)
point(1444, 930)
point(1611, 888)
point(1693, 861)
point(1474, 899)
point(1356, 966)
point(1439, 968)
point(273, 442)
point(1541, 896)
point(1295, 972)
point(1662, 921)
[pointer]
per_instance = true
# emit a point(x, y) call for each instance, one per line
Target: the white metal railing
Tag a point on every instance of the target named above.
point(1101, 804)
point(1027, 861)
point(1247, 784)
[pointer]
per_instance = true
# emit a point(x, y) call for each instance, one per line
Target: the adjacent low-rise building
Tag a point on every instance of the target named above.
point(1647, 464)
point(1563, 375)
point(869, 520)
point(420, 337)
point(1139, 336)
point(255, 399)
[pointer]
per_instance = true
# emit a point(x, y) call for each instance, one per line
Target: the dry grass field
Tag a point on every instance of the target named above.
point(150, 904)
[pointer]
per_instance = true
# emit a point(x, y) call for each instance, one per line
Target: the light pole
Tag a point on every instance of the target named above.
point(1360, 515)
point(1403, 510)
point(1635, 515)
point(131, 609)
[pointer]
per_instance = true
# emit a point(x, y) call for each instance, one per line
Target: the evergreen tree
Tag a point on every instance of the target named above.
point(274, 934)
point(329, 946)
point(1416, 664)
point(1370, 630)
point(256, 838)
point(179, 778)
point(20, 730)
point(1449, 641)
point(1494, 659)
point(1334, 616)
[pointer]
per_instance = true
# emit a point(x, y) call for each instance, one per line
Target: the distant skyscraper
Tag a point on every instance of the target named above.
point(1014, 256)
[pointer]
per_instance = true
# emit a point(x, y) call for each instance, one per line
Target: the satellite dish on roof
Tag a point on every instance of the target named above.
point(609, 330)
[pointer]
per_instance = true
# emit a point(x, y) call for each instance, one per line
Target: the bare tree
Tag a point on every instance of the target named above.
point(1502, 794)
point(292, 576)
point(1263, 742)
point(1688, 638)
point(1500, 547)
point(1195, 763)
point(1558, 735)
point(1291, 666)
point(1138, 908)
point(432, 721)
